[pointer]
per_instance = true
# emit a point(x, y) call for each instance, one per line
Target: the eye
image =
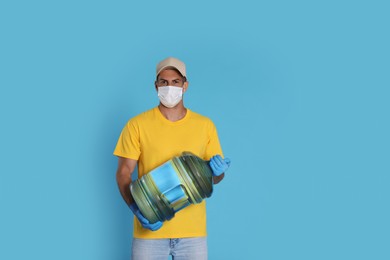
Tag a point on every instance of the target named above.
point(163, 82)
point(177, 82)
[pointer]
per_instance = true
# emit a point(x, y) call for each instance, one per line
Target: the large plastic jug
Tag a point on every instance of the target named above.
point(179, 182)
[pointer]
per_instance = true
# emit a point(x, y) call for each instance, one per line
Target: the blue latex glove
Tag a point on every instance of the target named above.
point(219, 165)
point(144, 222)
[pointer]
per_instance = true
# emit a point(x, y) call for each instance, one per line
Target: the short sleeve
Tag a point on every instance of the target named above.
point(213, 146)
point(128, 144)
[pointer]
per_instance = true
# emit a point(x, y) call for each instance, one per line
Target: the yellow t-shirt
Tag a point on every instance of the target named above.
point(152, 139)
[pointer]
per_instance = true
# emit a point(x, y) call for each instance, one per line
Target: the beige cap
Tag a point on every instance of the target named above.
point(171, 62)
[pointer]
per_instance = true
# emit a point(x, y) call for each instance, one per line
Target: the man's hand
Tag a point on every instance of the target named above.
point(219, 165)
point(144, 222)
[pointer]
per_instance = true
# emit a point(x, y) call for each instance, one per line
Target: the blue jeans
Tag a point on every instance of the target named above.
point(193, 248)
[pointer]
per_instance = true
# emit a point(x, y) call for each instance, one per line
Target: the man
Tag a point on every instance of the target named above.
point(154, 137)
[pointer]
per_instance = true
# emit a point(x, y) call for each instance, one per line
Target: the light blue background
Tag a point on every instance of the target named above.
point(299, 92)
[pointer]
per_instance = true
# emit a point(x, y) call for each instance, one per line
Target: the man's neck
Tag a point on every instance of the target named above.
point(173, 114)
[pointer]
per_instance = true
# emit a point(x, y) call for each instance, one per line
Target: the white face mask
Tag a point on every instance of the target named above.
point(170, 96)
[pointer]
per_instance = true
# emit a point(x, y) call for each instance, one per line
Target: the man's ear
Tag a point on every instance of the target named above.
point(185, 86)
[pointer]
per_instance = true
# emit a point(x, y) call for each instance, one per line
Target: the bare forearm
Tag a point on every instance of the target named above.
point(218, 179)
point(123, 184)
point(123, 177)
